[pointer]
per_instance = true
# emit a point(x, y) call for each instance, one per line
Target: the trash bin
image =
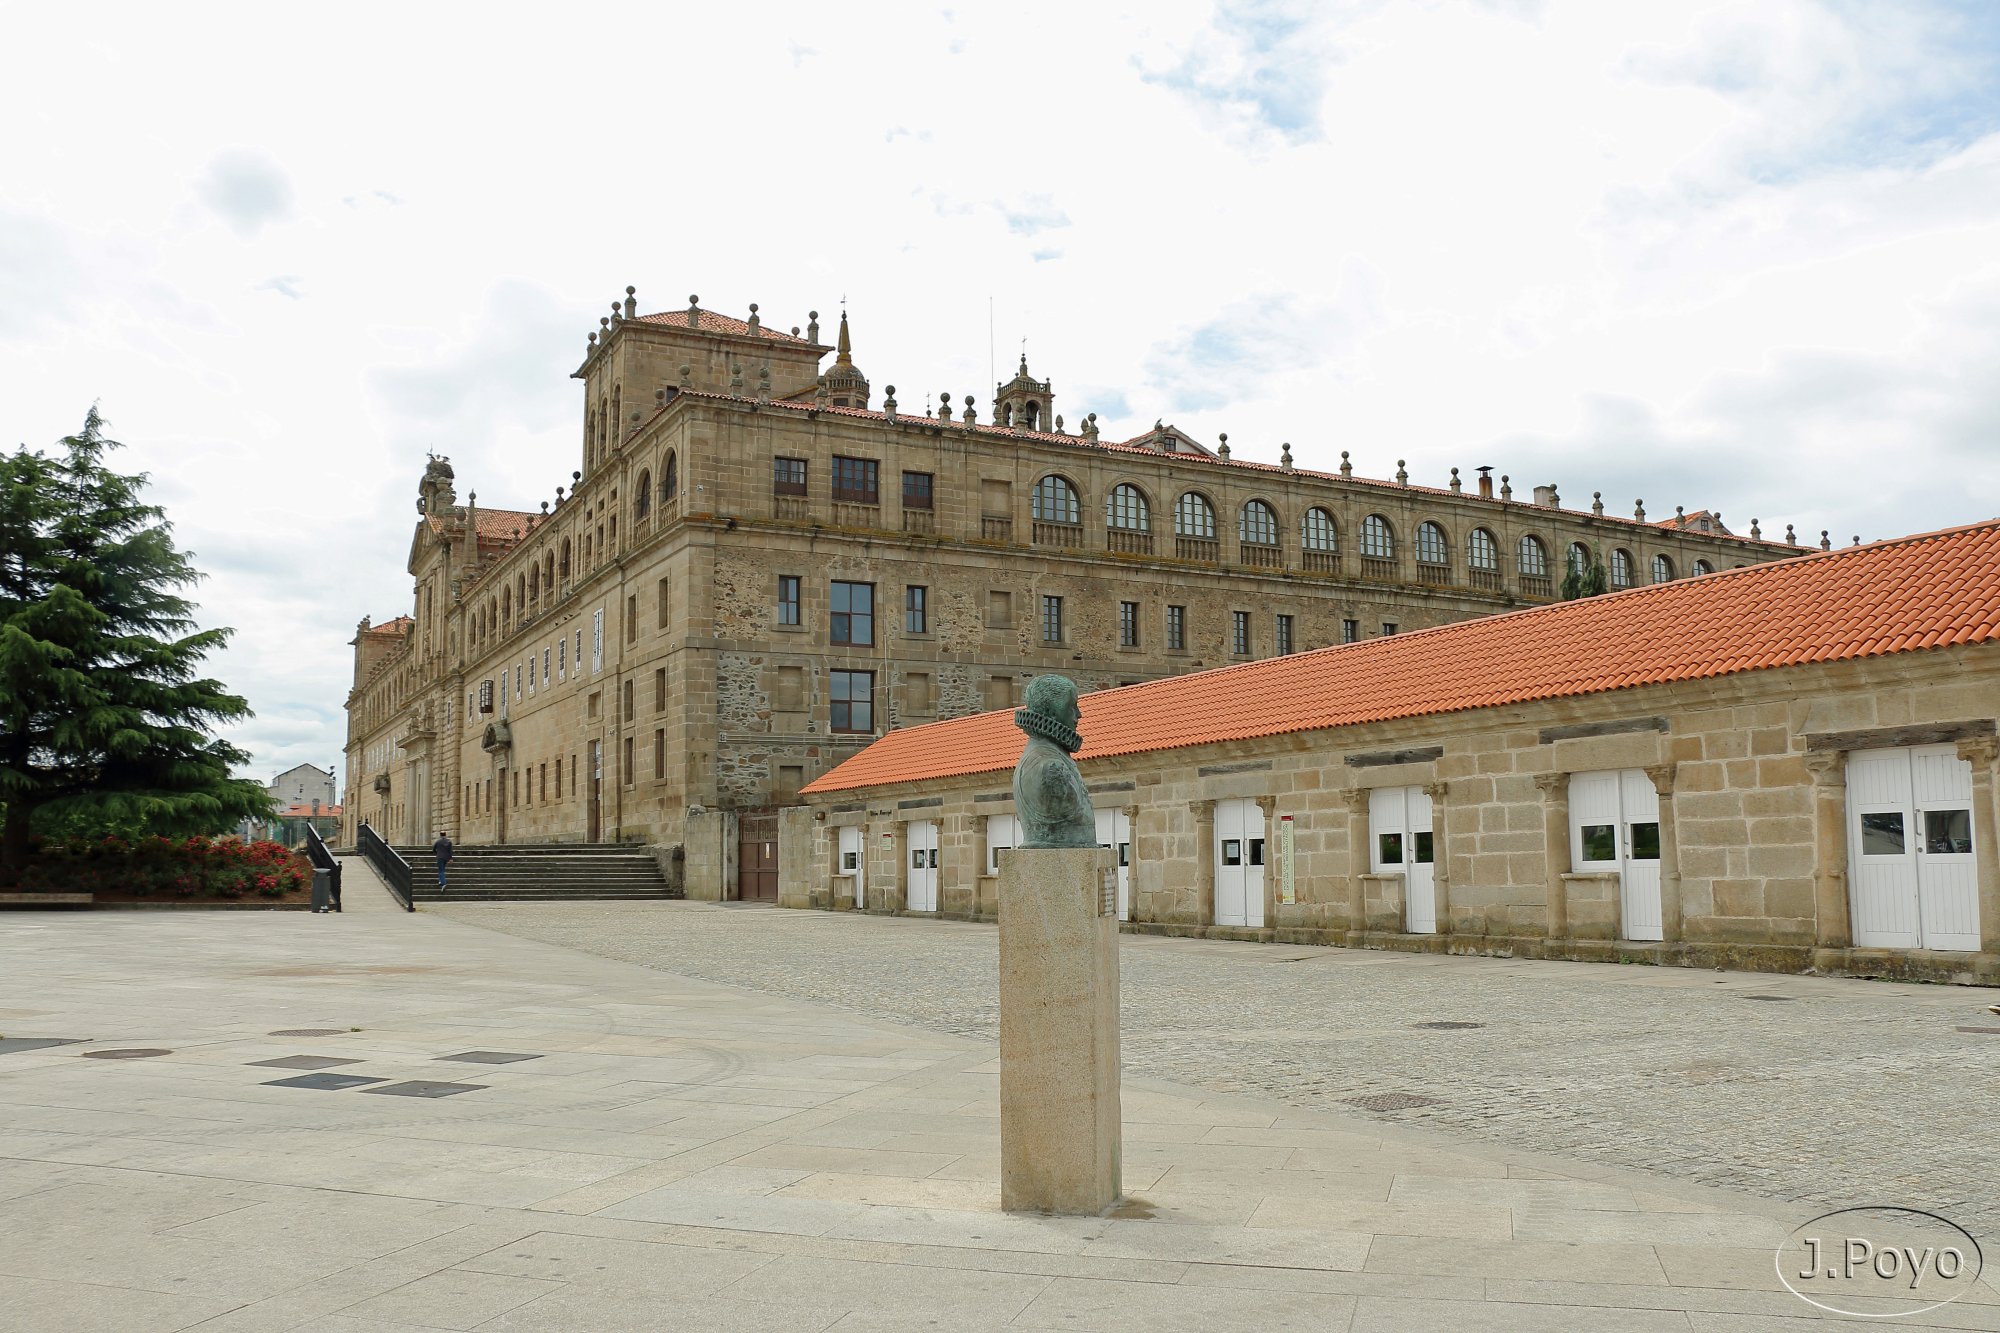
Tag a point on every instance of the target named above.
point(322, 889)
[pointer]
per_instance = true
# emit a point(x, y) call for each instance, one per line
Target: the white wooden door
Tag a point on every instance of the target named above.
point(922, 892)
point(1401, 842)
point(1003, 832)
point(1114, 830)
point(850, 848)
point(1910, 854)
point(1614, 822)
point(1239, 863)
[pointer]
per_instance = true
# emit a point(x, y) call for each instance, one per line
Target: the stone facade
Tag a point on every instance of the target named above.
point(1753, 822)
point(617, 664)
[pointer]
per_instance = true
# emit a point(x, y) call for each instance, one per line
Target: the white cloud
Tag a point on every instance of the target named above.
point(1739, 256)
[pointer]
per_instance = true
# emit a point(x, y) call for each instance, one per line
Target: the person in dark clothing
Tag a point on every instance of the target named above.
point(442, 850)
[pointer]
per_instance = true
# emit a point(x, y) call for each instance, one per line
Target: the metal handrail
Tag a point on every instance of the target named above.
point(388, 863)
point(323, 859)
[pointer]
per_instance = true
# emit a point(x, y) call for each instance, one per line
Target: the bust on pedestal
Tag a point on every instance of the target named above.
point(1059, 1109)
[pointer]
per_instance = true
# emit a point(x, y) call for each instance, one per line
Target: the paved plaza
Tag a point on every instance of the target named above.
point(539, 1137)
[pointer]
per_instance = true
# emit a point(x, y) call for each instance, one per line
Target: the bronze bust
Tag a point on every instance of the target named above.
point(1049, 794)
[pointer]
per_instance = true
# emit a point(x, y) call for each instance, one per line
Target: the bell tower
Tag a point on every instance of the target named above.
point(843, 384)
point(1024, 402)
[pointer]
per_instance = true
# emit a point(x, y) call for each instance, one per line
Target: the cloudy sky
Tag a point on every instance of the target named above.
point(1742, 256)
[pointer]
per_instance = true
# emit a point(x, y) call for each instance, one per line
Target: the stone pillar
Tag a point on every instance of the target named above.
point(1204, 861)
point(1268, 807)
point(1980, 752)
point(1829, 774)
point(1059, 1108)
point(1358, 860)
point(1662, 776)
point(1555, 849)
point(1440, 855)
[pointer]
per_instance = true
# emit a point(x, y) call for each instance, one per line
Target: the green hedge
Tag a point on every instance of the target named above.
point(187, 868)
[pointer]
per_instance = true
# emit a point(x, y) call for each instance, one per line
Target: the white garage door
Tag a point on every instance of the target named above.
point(1913, 881)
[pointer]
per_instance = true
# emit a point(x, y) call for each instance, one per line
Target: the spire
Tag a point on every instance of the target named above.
point(843, 348)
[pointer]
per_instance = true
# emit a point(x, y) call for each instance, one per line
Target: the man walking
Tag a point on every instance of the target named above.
point(442, 850)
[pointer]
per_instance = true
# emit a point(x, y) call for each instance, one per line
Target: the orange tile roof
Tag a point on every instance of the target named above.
point(1204, 460)
point(1934, 590)
point(498, 525)
point(397, 626)
point(711, 322)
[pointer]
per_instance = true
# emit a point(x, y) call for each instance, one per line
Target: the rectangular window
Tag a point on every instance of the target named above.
point(916, 490)
point(626, 693)
point(545, 667)
point(661, 591)
point(1239, 633)
point(517, 682)
point(558, 777)
point(597, 641)
point(486, 696)
point(1128, 624)
point(788, 476)
point(1052, 620)
point(852, 614)
point(1645, 842)
point(1350, 631)
point(659, 689)
point(562, 658)
point(853, 695)
point(628, 776)
point(1600, 842)
point(542, 780)
point(916, 609)
point(1284, 635)
point(572, 775)
point(1881, 834)
point(1389, 848)
point(1388, 627)
point(1422, 849)
point(1946, 833)
point(1177, 629)
point(857, 480)
point(632, 618)
point(788, 599)
point(1232, 851)
point(660, 753)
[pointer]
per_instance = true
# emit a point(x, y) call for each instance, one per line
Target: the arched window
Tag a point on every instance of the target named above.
point(617, 414)
point(1534, 558)
point(642, 499)
point(1663, 569)
point(1481, 551)
point(562, 566)
point(549, 573)
point(507, 607)
point(1702, 567)
point(535, 582)
point(1033, 415)
point(1578, 559)
point(670, 479)
point(1007, 416)
point(1317, 533)
point(1194, 516)
point(1258, 524)
point(1054, 501)
point(1621, 569)
point(1432, 547)
point(1378, 540)
point(1126, 508)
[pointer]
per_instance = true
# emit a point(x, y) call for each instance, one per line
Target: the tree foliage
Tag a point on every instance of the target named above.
point(1582, 582)
point(105, 724)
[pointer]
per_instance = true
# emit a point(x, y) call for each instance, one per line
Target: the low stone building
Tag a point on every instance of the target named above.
point(1783, 767)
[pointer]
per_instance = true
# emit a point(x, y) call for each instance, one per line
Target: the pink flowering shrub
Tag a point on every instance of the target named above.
point(186, 868)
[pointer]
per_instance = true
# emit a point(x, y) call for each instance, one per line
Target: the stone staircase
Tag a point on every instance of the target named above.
point(539, 872)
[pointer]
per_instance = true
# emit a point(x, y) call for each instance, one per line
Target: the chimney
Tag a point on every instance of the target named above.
point(1486, 483)
point(1545, 496)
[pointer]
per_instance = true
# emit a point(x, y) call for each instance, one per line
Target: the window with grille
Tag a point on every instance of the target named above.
point(853, 697)
point(1052, 620)
point(1621, 569)
point(1128, 624)
point(1194, 516)
point(1259, 524)
point(857, 480)
point(1318, 532)
point(1481, 551)
point(1177, 628)
point(1378, 542)
point(1534, 558)
point(1663, 569)
point(1239, 633)
point(1125, 508)
point(1432, 546)
point(851, 613)
point(788, 476)
point(1054, 501)
point(788, 599)
point(917, 490)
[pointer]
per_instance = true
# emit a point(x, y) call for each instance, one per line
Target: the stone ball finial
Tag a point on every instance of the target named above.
point(892, 391)
point(631, 291)
point(1402, 472)
point(1825, 542)
point(1346, 464)
point(812, 314)
point(753, 307)
point(1456, 484)
point(693, 300)
point(576, 476)
point(545, 506)
point(1791, 535)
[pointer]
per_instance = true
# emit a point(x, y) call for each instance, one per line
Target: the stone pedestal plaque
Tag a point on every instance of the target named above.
point(1059, 1114)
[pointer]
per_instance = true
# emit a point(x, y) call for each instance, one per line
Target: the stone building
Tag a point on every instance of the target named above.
point(758, 566)
point(1783, 767)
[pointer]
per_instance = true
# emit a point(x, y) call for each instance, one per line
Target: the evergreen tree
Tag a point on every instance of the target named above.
point(104, 723)
point(1581, 582)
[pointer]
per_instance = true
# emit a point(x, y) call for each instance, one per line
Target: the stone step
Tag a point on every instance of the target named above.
point(477, 895)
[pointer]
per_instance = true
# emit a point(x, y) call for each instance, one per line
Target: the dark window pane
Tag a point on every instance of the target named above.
point(1124, 853)
point(1390, 848)
point(1420, 847)
point(788, 599)
point(1232, 852)
point(916, 610)
point(1947, 832)
point(857, 480)
point(1882, 835)
point(852, 613)
point(916, 490)
point(1256, 851)
point(1600, 842)
point(788, 476)
point(1645, 842)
